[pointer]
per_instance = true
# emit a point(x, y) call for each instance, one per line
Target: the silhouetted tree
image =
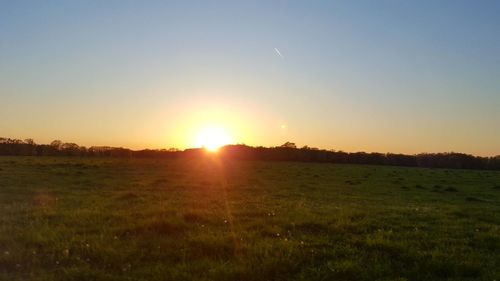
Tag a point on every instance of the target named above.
point(288, 145)
point(285, 152)
point(56, 144)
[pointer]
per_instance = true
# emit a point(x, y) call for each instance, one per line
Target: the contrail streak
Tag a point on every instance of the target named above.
point(279, 53)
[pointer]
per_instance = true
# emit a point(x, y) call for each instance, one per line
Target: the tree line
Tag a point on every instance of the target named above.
point(286, 152)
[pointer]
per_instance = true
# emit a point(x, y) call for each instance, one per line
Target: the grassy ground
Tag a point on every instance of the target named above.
point(145, 219)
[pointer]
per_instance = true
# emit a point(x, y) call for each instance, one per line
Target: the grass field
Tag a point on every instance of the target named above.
point(146, 219)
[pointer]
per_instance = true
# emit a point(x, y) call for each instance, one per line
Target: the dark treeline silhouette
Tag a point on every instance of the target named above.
point(285, 152)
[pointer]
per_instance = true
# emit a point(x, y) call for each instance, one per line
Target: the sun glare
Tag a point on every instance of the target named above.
point(212, 138)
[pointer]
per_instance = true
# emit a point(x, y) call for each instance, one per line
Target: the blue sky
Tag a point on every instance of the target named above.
point(398, 76)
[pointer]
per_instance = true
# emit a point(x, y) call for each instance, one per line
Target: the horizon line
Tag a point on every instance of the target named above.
point(175, 149)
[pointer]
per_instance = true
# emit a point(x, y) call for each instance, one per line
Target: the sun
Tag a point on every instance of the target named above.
point(212, 138)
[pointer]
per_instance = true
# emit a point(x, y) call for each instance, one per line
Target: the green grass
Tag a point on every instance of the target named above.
point(146, 219)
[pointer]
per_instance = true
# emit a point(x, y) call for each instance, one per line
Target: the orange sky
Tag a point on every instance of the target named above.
point(398, 76)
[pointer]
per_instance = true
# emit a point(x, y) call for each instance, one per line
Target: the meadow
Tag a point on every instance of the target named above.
point(64, 218)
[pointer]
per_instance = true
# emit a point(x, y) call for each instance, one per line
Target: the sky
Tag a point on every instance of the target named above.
point(384, 76)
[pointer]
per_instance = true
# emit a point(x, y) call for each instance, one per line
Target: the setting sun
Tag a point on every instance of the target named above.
point(212, 138)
